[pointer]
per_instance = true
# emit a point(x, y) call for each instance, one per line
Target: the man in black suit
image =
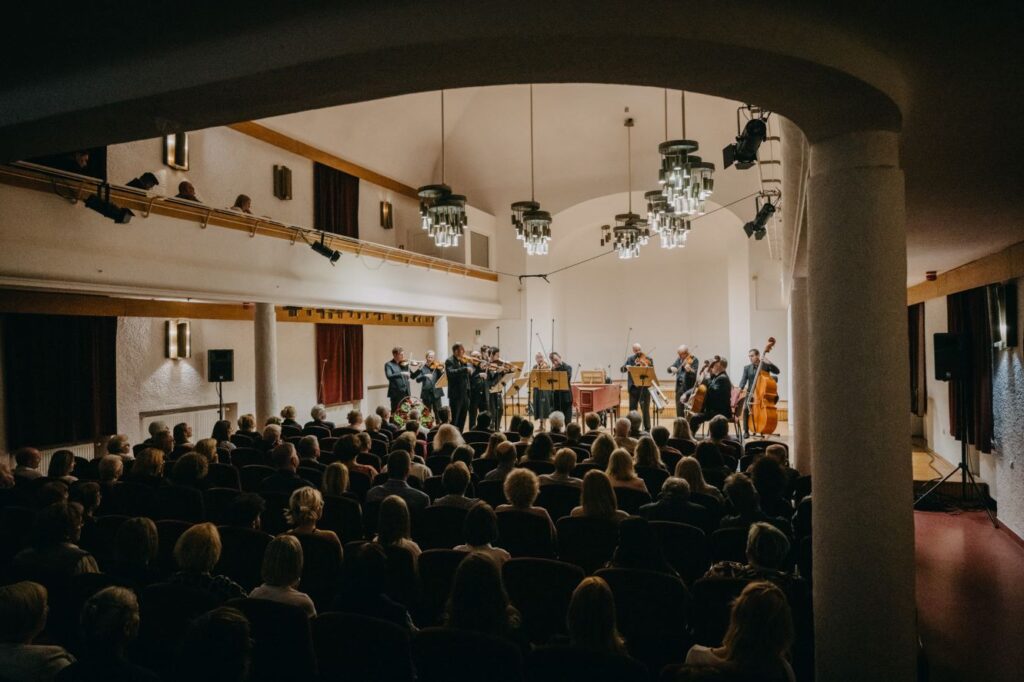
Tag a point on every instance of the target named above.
point(639, 397)
point(748, 380)
point(308, 451)
point(495, 399)
point(430, 394)
point(397, 372)
point(685, 369)
point(563, 399)
point(285, 479)
point(718, 399)
point(673, 504)
point(458, 370)
point(477, 388)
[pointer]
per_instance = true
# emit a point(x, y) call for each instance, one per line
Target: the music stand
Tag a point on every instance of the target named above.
point(512, 392)
point(442, 381)
point(643, 377)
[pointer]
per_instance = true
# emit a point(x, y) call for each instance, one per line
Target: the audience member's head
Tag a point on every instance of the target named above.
point(282, 562)
point(676, 488)
point(478, 600)
point(739, 489)
point(620, 466)
point(198, 549)
point(635, 422)
point(28, 458)
point(464, 454)
point(521, 488)
point(217, 647)
point(592, 420)
point(366, 569)
point(243, 203)
point(492, 444)
point(246, 510)
point(481, 525)
point(405, 442)
point(88, 495)
point(514, 422)
point(23, 611)
point(272, 419)
point(709, 456)
point(247, 423)
point(207, 449)
point(283, 457)
point(412, 425)
point(110, 468)
point(190, 469)
point(565, 461)
point(58, 523)
point(354, 417)
point(660, 435)
point(118, 445)
point(779, 453)
point(372, 423)
point(769, 478)
point(110, 620)
point(186, 190)
point(648, 454)
point(399, 463)
point(525, 430)
point(146, 181)
point(455, 478)
point(556, 421)
point(163, 441)
point(689, 468)
point(591, 618)
point(483, 422)
point(622, 427)
point(272, 435)
point(308, 448)
point(767, 546)
point(760, 629)
point(392, 520)
point(540, 448)
point(156, 427)
point(62, 463)
point(681, 429)
point(718, 427)
point(598, 497)
point(335, 481)
point(51, 492)
point(506, 454)
point(601, 450)
point(346, 448)
point(305, 507)
point(136, 542)
point(182, 433)
point(573, 433)
point(447, 435)
point(444, 415)
point(289, 412)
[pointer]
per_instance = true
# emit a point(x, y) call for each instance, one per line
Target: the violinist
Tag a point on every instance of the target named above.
point(397, 372)
point(639, 397)
point(428, 375)
point(749, 379)
point(496, 398)
point(562, 400)
point(718, 400)
point(477, 386)
point(685, 369)
point(458, 368)
point(541, 399)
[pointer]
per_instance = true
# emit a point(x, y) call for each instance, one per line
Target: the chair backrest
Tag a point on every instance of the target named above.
point(321, 432)
point(714, 476)
point(370, 459)
point(451, 655)
point(543, 610)
point(99, 541)
point(801, 488)
point(86, 469)
point(523, 534)
point(379, 447)
point(581, 469)
point(729, 544)
point(478, 448)
point(403, 582)
point(290, 430)
point(588, 438)
point(283, 642)
point(439, 527)
point(685, 547)
point(471, 437)
point(241, 556)
point(437, 572)
point(539, 467)
point(272, 519)
point(223, 476)
point(253, 474)
point(587, 542)
point(179, 502)
point(218, 503)
point(521, 448)
point(559, 663)
point(437, 463)
point(434, 487)
point(653, 478)
point(558, 499)
point(647, 602)
point(558, 438)
point(712, 606)
point(168, 531)
point(581, 452)
point(670, 457)
point(630, 500)
point(321, 569)
point(685, 447)
point(482, 467)
point(344, 516)
point(343, 431)
point(165, 611)
point(512, 436)
point(311, 474)
point(361, 649)
point(491, 492)
point(243, 456)
point(359, 483)
point(327, 444)
point(242, 440)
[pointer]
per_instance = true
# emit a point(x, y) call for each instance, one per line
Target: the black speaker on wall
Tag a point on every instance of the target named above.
point(951, 356)
point(220, 365)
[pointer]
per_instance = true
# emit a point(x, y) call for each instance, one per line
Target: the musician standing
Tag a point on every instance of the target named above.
point(428, 375)
point(496, 399)
point(639, 397)
point(563, 399)
point(477, 388)
point(457, 367)
point(749, 380)
point(685, 369)
point(397, 372)
point(541, 399)
point(718, 400)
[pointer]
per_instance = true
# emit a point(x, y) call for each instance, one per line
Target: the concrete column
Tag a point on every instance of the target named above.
point(860, 434)
point(441, 337)
point(800, 389)
point(265, 335)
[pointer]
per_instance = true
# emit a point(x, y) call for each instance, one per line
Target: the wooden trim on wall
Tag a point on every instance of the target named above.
point(290, 144)
point(999, 267)
point(49, 303)
point(41, 180)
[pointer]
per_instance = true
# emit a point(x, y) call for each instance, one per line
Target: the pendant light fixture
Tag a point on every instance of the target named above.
point(442, 214)
point(671, 228)
point(686, 180)
point(533, 226)
point(630, 231)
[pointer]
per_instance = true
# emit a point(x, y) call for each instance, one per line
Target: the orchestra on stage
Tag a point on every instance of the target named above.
point(481, 381)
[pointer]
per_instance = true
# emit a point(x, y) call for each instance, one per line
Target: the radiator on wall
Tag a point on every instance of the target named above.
point(201, 418)
point(84, 450)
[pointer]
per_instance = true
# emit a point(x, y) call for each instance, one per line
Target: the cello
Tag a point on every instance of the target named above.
point(763, 398)
point(700, 389)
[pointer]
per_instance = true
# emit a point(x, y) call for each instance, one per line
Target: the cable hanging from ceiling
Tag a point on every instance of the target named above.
point(442, 213)
point(532, 225)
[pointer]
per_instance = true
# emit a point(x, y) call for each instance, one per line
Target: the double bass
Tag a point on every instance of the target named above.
point(763, 398)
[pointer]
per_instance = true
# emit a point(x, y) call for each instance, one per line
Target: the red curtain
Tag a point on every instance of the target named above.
point(335, 201)
point(968, 314)
point(339, 361)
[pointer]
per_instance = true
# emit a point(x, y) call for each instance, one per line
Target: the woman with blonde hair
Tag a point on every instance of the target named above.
point(281, 572)
point(196, 552)
point(591, 618)
point(149, 467)
point(207, 449)
point(493, 442)
point(648, 454)
point(288, 414)
point(23, 610)
point(601, 449)
point(521, 488)
point(335, 480)
point(597, 499)
point(621, 472)
point(446, 440)
point(681, 430)
point(393, 525)
point(759, 636)
point(305, 508)
point(689, 468)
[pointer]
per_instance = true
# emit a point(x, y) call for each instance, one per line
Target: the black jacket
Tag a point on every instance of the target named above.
point(747, 380)
point(719, 396)
point(458, 376)
point(398, 379)
point(429, 378)
point(685, 379)
point(631, 362)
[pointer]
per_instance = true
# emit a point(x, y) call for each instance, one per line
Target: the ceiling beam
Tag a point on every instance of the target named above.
point(998, 267)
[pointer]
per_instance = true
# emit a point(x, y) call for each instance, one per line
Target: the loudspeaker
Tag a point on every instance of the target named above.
point(220, 365)
point(950, 356)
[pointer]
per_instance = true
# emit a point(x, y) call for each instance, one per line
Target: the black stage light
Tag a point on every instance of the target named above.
point(757, 228)
point(744, 152)
point(101, 203)
point(326, 251)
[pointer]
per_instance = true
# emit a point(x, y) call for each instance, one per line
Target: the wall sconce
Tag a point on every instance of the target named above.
point(282, 182)
point(176, 151)
point(178, 339)
point(387, 220)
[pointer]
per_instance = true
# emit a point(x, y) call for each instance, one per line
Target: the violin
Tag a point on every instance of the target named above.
point(641, 360)
point(435, 365)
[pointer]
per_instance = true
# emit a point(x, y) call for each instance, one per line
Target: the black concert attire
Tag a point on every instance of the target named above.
point(563, 399)
point(540, 399)
point(639, 397)
point(458, 373)
point(747, 382)
point(398, 382)
point(686, 378)
point(478, 386)
point(430, 394)
point(496, 399)
point(717, 400)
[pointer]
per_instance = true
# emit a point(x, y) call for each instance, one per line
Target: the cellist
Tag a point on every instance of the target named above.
point(718, 400)
point(748, 380)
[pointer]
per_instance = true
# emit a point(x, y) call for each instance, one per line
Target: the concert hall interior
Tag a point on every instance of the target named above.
point(234, 239)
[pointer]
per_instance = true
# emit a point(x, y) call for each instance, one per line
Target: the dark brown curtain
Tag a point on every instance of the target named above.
point(59, 379)
point(341, 345)
point(335, 201)
point(918, 362)
point(968, 314)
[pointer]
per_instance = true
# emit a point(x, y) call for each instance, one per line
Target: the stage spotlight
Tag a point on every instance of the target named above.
point(100, 202)
point(744, 152)
point(757, 228)
point(326, 251)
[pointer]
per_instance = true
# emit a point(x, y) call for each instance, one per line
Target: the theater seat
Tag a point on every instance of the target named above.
point(451, 655)
point(241, 556)
point(361, 649)
point(589, 543)
point(439, 527)
point(543, 610)
point(437, 572)
point(283, 643)
point(685, 547)
point(523, 534)
point(563, 663)
point(321, 569)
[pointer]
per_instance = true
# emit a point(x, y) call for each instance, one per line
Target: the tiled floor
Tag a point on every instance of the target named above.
point(970, 596)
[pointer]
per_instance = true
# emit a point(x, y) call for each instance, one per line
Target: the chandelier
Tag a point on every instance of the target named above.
point(533, 226)
point(630, 231)
point(442, 214)
point(686, 180)
point(671, 228)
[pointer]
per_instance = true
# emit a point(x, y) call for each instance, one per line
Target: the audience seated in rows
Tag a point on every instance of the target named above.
point(364, 591)
point(689, 469)
point(455, 481)
point(506, 456)
point(23, 611)
point(521, 488)
point(565, 462)
point(622, 473)
point(623, 439)
point(196, 553)
point(399, 463)
point(282, 569)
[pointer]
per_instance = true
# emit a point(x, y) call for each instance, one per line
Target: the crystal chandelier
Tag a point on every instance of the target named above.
point(672, 229)
point(442, 214)
point(630, 231)
point(533, 226)
point(686, 180)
